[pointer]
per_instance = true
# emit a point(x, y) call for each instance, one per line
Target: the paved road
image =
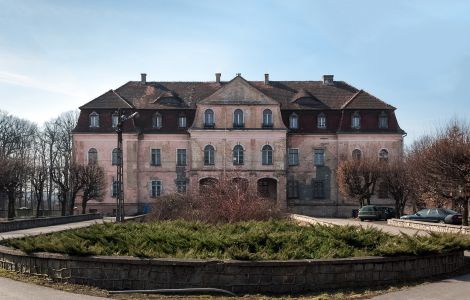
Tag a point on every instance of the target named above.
point(448, 289)
point(48, 229)
point(15, 290)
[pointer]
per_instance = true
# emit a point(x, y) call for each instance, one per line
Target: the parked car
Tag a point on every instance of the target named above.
point(374, 212)
point(436, 215)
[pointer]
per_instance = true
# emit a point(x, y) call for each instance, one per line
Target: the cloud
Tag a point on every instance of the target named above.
point(26, 81)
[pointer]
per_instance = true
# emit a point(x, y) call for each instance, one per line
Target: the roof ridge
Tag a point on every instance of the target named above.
point(122, 98)
point(351, 99)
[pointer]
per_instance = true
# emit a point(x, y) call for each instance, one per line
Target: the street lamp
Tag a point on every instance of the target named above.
point(120, 165)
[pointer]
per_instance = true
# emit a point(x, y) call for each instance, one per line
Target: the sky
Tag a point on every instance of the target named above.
point(57, 55)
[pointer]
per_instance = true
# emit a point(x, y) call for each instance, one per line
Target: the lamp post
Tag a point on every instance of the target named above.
point(120, 165)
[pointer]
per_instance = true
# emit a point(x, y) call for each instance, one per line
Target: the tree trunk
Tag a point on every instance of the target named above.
point(84, 206)
point(465, 212)
point(11, 204)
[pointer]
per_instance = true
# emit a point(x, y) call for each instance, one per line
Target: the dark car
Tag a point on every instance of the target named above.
point(374, 212)
point(436, 215)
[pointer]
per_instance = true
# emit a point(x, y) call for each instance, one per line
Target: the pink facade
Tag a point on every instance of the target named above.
point(296, 169)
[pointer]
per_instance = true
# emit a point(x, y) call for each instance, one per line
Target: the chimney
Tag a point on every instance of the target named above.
point(217, 77)
point(328, 80)
point(143, 78)
point(266, 79)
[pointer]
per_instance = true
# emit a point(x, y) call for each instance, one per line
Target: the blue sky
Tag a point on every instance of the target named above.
point(415, 55)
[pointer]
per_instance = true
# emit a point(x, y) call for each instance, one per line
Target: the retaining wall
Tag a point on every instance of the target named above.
point(270, 277)
point(437, 227)
point(6, 226)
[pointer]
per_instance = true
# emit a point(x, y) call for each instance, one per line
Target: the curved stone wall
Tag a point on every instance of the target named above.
point(271, 277)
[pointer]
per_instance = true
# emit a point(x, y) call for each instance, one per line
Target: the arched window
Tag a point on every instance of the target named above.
point(114, 119)
point(157, 120)
point(356, 120)
point(267, 118)
point(383, 155)
point(94, 120)
point(116, 160)
point(238, 155)
point(357, 154)
point(92, 156)
point(209, 155)
point(293, 121)
point(321, 120)
point(238, 118)
point(267, 155)
point(383, 120)
point(209, 118)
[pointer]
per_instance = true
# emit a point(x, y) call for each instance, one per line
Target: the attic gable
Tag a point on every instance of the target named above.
point(364, 100)
point(109, 100)
point(238, 91)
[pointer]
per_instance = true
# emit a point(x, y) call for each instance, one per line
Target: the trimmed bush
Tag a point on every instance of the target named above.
point(268, 240)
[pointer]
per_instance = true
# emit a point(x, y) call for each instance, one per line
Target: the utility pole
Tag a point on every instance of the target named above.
point(120, 166)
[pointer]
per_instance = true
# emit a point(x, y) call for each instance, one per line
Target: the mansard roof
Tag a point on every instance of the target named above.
point(313, 95)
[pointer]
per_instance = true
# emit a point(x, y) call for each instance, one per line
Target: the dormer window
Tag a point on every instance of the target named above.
point(356, 121)
point(383, 120)
point(114, 119)
point(94, 120)
point(182, 121)
point(209, 118)
point(293, 121)
point(157, 121)
point(238, 119)
point(267, 118)
point(321, 120)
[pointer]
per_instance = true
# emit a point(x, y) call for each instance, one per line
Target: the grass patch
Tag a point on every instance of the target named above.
point(267, 240)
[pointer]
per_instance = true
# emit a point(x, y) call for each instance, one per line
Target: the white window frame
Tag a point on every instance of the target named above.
point(209, 112)
point(321, 121)
point(155, 188)
point(294, 124)
point(356, 120)
point(114, 120)
point(157, 120)
point(94, 120)
point(182, 122)
point(211, 159)
point(236, 159)
point(267, 118)
point(267, 155)
point(236, 122)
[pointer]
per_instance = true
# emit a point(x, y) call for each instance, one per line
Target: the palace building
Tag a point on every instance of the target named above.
point(283, 137)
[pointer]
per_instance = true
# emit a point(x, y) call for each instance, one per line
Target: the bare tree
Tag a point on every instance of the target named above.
point(443, 160)
point(357, 178)
point(94, 184)
point(400, 182)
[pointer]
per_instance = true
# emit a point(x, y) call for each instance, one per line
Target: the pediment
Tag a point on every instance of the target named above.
point(238, 91)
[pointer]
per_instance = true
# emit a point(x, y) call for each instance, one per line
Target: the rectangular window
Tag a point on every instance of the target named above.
point(292, 189)
point(319, 157)
point(318, 189)
point(181, 186)
point(182, 122)
point(293, 155)
point(155, 188)
point(383, 122)
point(115, 188)
point(156, 159)
point(181, 157)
